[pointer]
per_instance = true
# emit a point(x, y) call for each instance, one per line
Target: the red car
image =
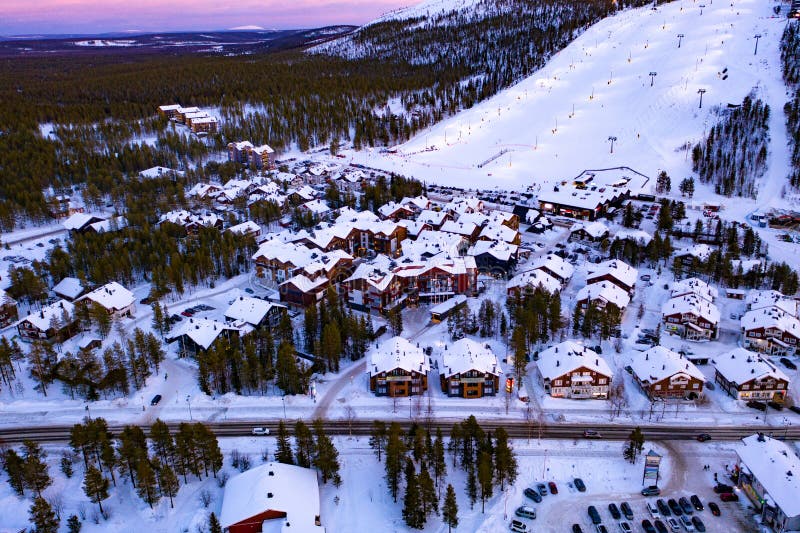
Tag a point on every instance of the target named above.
point(729, 497)
point(553, 487)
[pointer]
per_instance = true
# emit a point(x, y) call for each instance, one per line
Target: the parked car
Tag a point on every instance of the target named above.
point(518, 526)
point(673, 524)
point(686, 522)
point(660, 527)
point(248, 290)
point(629, 369)
point(260, 431)
point(795, 409)
point(626, 510)
point(594, 515)
point(155, 400)
point(720, 488)
point(645, 277)
point(647, 526)
point(576, 528)
point(533, 495)
point(591, 434)
point(579, 484)
point(775, 405)
point(542, 488)
point(624, 527)
point(664, 508)
point(600, 528)
point(698, 524)
point(652, 508)
point(788, 363)
point(553, 487)
point(652, 490)
point(714, 508)
point(674, 507)
point(526, 511)
point(686, 507)
point(703, 437)
point(729, 497)
point(614, 510)
point(696, 502)
point(753, 404)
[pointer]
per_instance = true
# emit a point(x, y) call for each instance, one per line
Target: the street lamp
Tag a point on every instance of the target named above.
point(652, 77)
point(680, 38)
point(701, 92)
point(757, 37)
point(283, 399)
point(189, 405)
point(612, 139)
point(701, 8)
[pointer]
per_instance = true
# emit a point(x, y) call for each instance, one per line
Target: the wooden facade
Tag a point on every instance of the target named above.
point(398, 383)
point(679, 385)
point(770, 340)
point(578, 383)
point(767, 389)
point(470, 384)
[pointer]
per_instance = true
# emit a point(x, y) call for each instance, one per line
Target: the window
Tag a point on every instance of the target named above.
point(602, 381)
point(745, 387)
point(658, 387)
point(696, 386)
point(557, 383)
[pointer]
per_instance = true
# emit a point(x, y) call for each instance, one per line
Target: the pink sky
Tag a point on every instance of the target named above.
point(99, 16)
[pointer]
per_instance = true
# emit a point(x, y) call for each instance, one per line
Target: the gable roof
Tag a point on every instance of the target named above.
point(202, 331)
point(69, 288)
point(617, 269)
point(249, 310)
point(42, 319)
point(659, 363)
point(606, 291)
point(112, 296)
point(569, 356)
point(777, 467)
point(397, 352)
point(771, 317)
point(692, 304)
point(465, 355)
point(555, 264)
point(740, 366)
point(533, 279)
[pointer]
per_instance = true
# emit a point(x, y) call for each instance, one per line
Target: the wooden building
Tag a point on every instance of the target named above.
point(398, 368)
point(469, 370)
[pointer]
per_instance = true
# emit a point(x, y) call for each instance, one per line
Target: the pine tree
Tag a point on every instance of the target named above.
point(158, 318)
point(427, 492)
point(14, 466)
point(35, 474)
point(283, 452)
point(326, 457)
point(504, 459)
point(438, 461)
point(450, 509)
point(43, 517)
point(66, 466)
point(412, 504)
point(377, 438)
point(485, 477)
point(395, 456)
point(519, 345)
point(163, 443)
point(472, 485)
point(213, 524)
point(454, 444)
point(132, 448)
point(74, 524)
point(146, 481)
point(95, 486)
point(167, 482)
point(304, 444)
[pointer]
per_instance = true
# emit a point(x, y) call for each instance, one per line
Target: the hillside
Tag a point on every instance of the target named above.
point(557, 122)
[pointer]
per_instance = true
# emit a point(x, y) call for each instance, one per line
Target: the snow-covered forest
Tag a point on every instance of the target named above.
point(790, 57)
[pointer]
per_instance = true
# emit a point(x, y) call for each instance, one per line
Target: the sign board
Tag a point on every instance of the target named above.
point(652, 462)
point(509, 384)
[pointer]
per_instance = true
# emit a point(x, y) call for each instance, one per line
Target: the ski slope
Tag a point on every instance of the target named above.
point(555, 124)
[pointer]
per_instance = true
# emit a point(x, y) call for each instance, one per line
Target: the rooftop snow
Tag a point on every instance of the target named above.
point(569, 356)
point(397, 352)
point(659, 363)
point(249, 310)
point(69, 288)
point(619, 270)
point(740, 366)
point(112, 296)
point(465, 355)
point(777, 467)
point(42, 319)
point(694, 304)
point(606, 291)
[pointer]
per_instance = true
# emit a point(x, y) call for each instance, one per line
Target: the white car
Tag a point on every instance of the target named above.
point(673, 525)
point(260, 431)
point(687, 523)
point(624, 527)
point(653, 510)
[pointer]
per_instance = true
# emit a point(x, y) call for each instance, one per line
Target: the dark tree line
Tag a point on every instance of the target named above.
point(312, 448)
point(790, 60)
point(734, 154)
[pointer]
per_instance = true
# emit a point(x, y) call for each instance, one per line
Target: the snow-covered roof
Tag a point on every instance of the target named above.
point(435, 218)
point(756, 299)
point(617, 269)
point(771, 317)
point(42, 319)
point(692, 304)
point(5, 299)
point(431, 242)
point(694, 285)
point(80, 220)
point(306, 192)
point(581, 198)
point(594, 229)
point(288, 253)
point(377, 272)
point(398, 352)
point(499, 232)
point(465, 355)
point(416, 202)
point(699, 251)
point(318, 207)
point(637, 235)
point(569, 356)
point(459, 228)
point(305, 284)
point(531, 215)
point(659, 363)
point(242, 145)
point(170, 107)
point(448, 305)
point(387, 210)
point(776, 466)
point(413, 227)
point(533, 279)
point(184, 218)
point(191, 109)
point(245, 228)
point(503, 251)
point(112, 296)
point(157, 172)
point(605, 291)
point(69, 288)
point(204, 189)
point(274, 487)
point(250, 310)
point(116, 223)
point(555, 264)
point(202, 331)
point(740, 366)
point(263, 149)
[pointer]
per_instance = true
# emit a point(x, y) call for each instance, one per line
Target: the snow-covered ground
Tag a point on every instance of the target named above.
point(363, 503)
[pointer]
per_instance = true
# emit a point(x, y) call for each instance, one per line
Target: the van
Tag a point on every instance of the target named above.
point(652, 508)
point(155, 400)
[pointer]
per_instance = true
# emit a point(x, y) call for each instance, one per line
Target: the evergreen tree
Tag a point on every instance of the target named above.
point(66, 466)
point(438, 460)
point(377, 438)
point(74, 524)
point(395, 458)
point(167, 482)
point(158, 319)
point(43, 517)
point(304, 444)
point(519, 346)
point(472, 485)
point(485, 477)
point(14, 466)
point(132, 449)
point(450, 509)
point(504, 459)
point(427, 492)
point(146, 481)
point(454, 444)
point(95, 486)
point(412, 503)
point(35, 473)
point(283, 451)
point(163, 443)
point(213, 524)
point(326, 457)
